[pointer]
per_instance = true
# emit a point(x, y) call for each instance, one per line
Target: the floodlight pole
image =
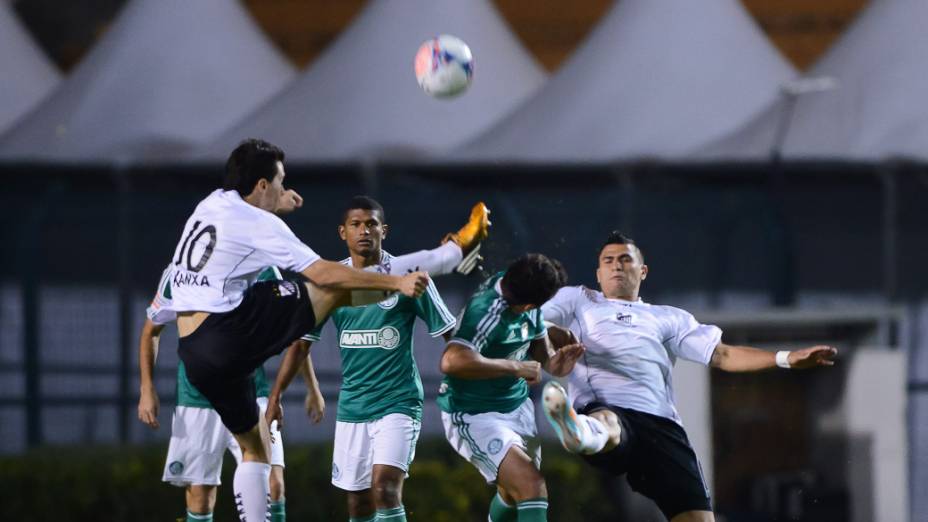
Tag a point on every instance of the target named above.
point(784, 284)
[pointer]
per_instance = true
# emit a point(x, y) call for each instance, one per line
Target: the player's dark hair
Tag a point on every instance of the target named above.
point(251, 161)
point(363, 203)
point(533, 279)
point(618, 238)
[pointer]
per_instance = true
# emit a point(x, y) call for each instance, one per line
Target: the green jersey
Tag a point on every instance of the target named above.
point(187, 394)
point(488, 326)
point(379, 372)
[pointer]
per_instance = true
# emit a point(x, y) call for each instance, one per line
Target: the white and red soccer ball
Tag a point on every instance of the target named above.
point(444, 66)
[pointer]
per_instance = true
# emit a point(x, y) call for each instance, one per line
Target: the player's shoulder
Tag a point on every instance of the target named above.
point(668, 312)
point(578, 294)
point(485, 300)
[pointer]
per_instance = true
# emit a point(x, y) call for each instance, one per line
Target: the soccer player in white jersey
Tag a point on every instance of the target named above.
point(198, 438)
point(380, 403)
point(228, 324)
point(622, 388)
point(497, 349)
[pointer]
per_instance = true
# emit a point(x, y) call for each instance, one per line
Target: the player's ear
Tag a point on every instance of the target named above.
point(644, 272)
point(385, 229)
point(341, 232)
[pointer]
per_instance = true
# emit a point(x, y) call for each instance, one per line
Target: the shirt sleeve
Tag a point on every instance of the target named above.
point(159, 311)
point(283, 247)
point(438, 261)
point(560, 308)
point(431, 308)
point(539, 330)
point(315, 334)
point(472, 328)
point(691, 340)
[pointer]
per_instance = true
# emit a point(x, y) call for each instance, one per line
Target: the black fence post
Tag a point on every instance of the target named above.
point(29, 283)
point(30, 266)
point(890, 232)
point(123, 246)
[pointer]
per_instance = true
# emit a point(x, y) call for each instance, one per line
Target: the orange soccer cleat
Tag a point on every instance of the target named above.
point(474, 231)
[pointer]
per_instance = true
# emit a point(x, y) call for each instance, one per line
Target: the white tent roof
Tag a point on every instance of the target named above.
point(361, 99)
point(655, 78)
point(170, 75)
point(28, 75)
point(878, 109)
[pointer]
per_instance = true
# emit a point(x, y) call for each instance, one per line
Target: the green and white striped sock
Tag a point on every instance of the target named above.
point(199, 517)
point(533, 510)
point(278, 510)
point(397, 514)
point(500, 511)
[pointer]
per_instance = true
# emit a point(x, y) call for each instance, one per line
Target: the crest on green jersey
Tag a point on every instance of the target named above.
point(387, 338)
point(389, 302)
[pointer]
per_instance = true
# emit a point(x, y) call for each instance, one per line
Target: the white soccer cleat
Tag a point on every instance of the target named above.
point(562, 416)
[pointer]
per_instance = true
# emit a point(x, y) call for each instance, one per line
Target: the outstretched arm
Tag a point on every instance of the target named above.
point(148, 354)
point(336, 275)
point(748, 359)
point(289, 367)
point(315, 402)
point(464, 363)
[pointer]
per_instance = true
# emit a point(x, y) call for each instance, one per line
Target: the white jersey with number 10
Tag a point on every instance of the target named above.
point(226, 243)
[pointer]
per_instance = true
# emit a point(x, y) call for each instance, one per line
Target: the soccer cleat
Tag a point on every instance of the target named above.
point(562, 416)
point(474, 231)
point(470, 261)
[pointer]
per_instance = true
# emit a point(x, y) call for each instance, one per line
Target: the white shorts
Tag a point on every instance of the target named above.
point(198, 442)
point(483, 439)
point(390, 440)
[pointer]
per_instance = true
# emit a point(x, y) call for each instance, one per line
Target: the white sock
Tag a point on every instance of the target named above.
point(593, 434)
point(252, 491)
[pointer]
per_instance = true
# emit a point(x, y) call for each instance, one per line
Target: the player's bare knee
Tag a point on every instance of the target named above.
point(386, 492)
point(360, 503)
point(276, 482)
point(505, 495)
point(201, 499)
point(255, 443)
point(527, 483)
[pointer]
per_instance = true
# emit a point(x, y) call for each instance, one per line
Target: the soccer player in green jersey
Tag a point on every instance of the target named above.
point(380, 403)
point(498, 349)
point(198, 437)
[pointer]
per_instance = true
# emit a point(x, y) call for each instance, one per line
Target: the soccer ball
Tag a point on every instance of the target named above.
point(444, 66)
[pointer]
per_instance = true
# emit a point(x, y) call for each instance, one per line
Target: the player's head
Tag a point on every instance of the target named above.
point(255, 170)
point(621, 267)
point(531, 280)
point(363, 227)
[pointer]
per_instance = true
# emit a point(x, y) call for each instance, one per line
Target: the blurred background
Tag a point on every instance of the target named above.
point(770, 157)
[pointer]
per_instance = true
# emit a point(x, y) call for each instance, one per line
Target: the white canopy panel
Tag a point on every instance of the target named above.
point(27, 73)
point(877, 110)
point(360, 98)
point(170, 75)
point(655, 78)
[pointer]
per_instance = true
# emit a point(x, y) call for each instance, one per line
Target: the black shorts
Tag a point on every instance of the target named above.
point(222, 354)
point(656, 455)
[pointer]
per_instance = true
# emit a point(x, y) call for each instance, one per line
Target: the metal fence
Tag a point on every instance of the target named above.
point(83, 248)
